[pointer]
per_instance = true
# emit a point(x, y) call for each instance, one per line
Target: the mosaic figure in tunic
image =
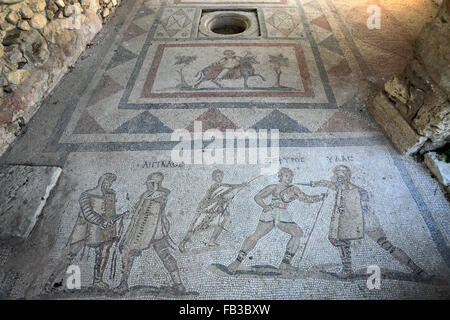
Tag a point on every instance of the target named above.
point(95, 228)
point(277, 214)
point(352, 218)
point(149, 228)
point(213, 210)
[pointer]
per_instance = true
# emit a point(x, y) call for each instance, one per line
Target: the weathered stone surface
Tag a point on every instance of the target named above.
point(13, 17)
point(56, 31)
point(38, 21)
point(11, 37)
point(432, 47)
point(52, 10)
point(10, 1)
point(417, 75)
point(76, 4)
point(24, 25)
point(6, 26)
point(439, 167)
point(402, 136)
point(105, 13)
point(40, 83)
point(60, 3)
point(433, 145)
point(91, 4)
point(17, 77)
point(23, 195)
point(13, 55)
point(26, 12)
point(397, 89)
point(416, 98)
point(408, 99)
point(19, 21)
point(41, 4)
point(434, 116)
point(35, 48)
point(421, 92)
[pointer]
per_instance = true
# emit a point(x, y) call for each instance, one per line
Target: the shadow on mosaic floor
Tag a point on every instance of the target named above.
point(318, 272)
point(132, 292)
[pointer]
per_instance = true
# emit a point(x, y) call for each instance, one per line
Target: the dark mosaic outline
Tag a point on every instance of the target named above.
point(65, 149)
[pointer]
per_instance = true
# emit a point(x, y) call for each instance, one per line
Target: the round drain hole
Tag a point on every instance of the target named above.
point(228, 24)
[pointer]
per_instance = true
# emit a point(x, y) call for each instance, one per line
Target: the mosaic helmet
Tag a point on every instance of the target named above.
point(156, 176)
point(344, 169)
point(106, 178)
point(109, 177)
point(229, 53)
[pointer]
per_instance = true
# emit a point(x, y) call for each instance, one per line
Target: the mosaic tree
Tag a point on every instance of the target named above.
point(277, 63)
point(183, 61)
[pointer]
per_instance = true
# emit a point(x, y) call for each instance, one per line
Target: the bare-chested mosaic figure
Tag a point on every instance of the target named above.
point(352, 218)
point(226, 68)
point(149, 228)
point(212, 211)
point(95, 228)
point(276, 214)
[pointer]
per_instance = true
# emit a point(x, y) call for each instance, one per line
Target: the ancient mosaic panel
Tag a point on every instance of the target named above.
point(140, 225)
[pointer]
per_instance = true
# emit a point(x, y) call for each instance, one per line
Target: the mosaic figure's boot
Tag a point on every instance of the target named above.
point(403, 258)
point(178, 285)
point(232, 267)
point(286, 262)
point(346, 258)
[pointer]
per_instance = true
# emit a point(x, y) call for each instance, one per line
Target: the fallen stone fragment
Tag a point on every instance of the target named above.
point(437, 165)
point(23, 194)
point(397, 89)
point(402, 136)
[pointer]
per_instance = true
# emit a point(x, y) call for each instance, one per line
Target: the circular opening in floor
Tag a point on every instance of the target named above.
point(229, 24)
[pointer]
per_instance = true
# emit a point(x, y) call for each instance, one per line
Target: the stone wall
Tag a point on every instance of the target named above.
point(39, 41)
point(414, 109)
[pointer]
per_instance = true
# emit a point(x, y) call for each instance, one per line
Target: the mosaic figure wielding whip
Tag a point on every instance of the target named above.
point(276, 214)
point(352, 218)
point(213, 210)
point(149, 228)
point(95, 228)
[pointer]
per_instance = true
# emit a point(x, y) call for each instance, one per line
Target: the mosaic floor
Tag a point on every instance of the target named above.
point(199, 231)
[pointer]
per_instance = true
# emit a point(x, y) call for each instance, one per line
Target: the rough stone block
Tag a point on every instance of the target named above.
point(438, 167)
point(433, 119)
point(69, 45)
point(432, 47)
point(402, 136)
point(397, 89)
point(23, 194)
